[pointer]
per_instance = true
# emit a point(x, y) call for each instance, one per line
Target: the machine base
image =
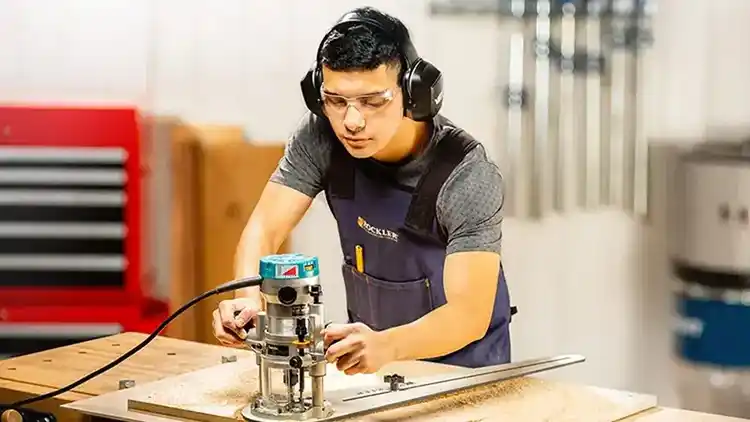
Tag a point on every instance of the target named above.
point(258, 412)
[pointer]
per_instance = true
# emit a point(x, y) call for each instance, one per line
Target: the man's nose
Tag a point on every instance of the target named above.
point(353, 119)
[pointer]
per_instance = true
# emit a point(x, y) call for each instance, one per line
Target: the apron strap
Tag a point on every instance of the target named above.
point(421, 216)
point(340, 175)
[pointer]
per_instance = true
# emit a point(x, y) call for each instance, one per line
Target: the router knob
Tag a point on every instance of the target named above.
point(316, 291)
point(287, 295)
point(394, 380)
point(295, 362)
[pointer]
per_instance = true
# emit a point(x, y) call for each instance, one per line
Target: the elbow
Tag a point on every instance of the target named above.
point(478, 323)
point(256, 234)
point(475, 323)
point(254, 242)
point(479, 330)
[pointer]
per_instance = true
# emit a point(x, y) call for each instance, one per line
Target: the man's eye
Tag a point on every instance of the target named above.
point(374, 101)
point(336, 101)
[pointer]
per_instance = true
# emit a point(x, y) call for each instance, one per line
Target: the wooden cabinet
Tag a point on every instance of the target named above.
point(214, 180)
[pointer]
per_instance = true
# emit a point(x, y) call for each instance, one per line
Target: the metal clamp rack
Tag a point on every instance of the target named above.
point(574, 135)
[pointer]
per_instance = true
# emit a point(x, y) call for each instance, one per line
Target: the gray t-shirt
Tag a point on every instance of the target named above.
point(469, 205)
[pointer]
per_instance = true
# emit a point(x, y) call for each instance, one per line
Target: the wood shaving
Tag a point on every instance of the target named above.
point(221, 395)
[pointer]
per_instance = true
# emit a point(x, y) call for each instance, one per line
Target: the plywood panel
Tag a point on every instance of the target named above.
point(170, 224)
point(232, 174)
point(218, 394)
point(204, 182)
point(679, 415)
point(184, 228)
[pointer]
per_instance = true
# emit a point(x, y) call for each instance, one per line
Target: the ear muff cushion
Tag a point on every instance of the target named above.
point(310, 85)
point(424, 84)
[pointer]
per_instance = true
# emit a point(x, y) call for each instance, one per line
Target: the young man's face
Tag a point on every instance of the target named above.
point(365, 108)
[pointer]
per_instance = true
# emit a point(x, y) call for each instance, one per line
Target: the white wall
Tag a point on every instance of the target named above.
point(594, 283)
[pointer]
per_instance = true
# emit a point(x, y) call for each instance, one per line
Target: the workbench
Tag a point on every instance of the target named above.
point(165, 357)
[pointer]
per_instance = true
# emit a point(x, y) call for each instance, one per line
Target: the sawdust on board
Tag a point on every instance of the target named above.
point(215, 392)
point(519, 399)
point(226, 393)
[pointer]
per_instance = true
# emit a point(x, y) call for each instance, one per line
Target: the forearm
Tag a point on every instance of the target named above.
point(254, 244)
point(438, 333)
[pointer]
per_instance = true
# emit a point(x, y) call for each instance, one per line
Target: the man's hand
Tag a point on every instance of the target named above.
point(228, 328)
point(356, 348)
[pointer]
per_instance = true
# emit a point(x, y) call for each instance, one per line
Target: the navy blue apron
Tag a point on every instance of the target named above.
point(404, 249)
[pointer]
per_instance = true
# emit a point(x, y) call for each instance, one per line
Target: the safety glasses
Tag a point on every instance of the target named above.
point(367, 104)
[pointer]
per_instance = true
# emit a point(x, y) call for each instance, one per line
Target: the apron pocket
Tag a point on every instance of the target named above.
point(382, 304)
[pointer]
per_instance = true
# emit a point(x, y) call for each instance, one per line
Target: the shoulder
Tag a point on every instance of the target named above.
point(477, 178)
point(307, 156)
point(312, 132)
point(470, 203)
point(476, 170)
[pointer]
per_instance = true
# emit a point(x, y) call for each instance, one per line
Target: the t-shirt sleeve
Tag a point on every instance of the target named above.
point(306, 159)
point(470, 207)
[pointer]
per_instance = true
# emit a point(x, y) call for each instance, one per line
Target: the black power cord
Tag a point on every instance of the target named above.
point(226, 287)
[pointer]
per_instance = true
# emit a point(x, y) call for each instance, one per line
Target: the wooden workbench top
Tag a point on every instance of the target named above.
point(165, 357)
point(41, 372)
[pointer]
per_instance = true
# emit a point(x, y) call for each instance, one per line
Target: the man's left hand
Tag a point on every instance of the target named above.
point(357, 349)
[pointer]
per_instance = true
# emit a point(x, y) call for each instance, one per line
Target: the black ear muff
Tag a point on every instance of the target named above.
point(423, 86)
point(422, 82)
point(310, 85)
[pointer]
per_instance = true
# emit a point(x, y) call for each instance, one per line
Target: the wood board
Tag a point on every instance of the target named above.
point(666, 414)
point(230, 175)
point(163, 357)
point(38, 373)
point(218, 394)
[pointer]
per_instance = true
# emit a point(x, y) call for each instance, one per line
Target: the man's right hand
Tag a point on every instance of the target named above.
point(230, 319)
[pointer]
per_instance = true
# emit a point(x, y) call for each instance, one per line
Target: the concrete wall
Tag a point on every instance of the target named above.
point(595, 283)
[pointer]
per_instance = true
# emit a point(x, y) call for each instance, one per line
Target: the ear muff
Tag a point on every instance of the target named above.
point(423, 91)
point(422, 82)
point(310, 85)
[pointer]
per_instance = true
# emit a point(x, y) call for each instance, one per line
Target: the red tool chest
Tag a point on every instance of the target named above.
point(73, 263)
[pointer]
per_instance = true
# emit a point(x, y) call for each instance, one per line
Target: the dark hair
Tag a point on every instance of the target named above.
point(360, 47)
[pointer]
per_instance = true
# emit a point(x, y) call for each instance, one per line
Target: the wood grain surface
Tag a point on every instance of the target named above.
point(162, 358)
point(526, 399)
point(218, 394)
point(38, 373)
point(680, 415)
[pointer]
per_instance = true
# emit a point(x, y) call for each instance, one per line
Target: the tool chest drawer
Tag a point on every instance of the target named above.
point(61, 216)
point(70, 205)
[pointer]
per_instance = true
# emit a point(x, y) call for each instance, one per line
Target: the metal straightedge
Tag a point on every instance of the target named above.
point(395, 391)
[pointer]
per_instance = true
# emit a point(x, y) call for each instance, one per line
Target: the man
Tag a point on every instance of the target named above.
point(417, 202)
